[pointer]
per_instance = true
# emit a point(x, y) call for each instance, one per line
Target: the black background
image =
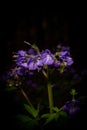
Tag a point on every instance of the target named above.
point(15, 28)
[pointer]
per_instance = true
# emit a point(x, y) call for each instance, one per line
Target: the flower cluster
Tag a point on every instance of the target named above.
point(49, 64)
point(33, 59)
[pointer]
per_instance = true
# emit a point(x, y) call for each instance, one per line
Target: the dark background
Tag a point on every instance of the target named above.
point(47, 28)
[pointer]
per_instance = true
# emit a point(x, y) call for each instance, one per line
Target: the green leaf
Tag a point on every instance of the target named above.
point(31, 110)
point(45, 115)
point(56, 109)
point(24, 118)
point(54, 116)
point(10, 88)
point(27, 121)
point(50, 117)
point(35, 47)
point(62, 113)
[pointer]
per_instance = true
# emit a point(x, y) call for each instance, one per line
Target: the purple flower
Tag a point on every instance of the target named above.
point(21, 53)
point(69, 61)
point(64, 54)
point(72, 107)
point(57, 64)
point(47, 57)
point(63, 48)
point(31, 64)
point(24, 65)
point(19, 61)
point(32, 51)
point(65, 57)
point(35, 63)
point(17, 71)
point(39, 60)
point(20, 58)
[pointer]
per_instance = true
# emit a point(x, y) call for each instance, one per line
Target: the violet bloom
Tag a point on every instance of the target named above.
point(32, 51)
point(65, 57)
point(31, 64)
point(39, 61)
point(63, 48)
point(18, 71)
point(69, 61)
point(19, 61)
point(64, 54)
point(21, 53)
point(71, 107)
point(35, 63)
point(57, 64)
point(20, 57)
point(47, 57)
point(24, 65)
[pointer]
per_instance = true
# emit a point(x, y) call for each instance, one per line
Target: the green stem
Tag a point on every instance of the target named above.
point(26, 97)
point(50, 96)
point(73, 97)
point(50, 92)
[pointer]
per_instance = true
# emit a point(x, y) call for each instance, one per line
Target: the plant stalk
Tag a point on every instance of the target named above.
point(26, 97)
point(50, 96)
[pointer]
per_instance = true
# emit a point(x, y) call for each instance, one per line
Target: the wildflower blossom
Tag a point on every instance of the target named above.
point(47, 57)
point(72, 107)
